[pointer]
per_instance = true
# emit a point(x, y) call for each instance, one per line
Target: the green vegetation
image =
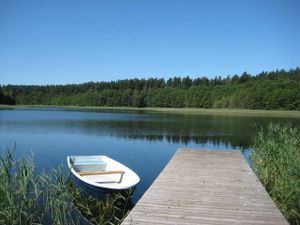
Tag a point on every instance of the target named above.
point(230, 112)
point(28, 197)
point(276, 161)
point(194, 111)
point(268, 90)
point(7, 106)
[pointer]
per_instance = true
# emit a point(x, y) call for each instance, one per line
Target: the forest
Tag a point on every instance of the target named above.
point(278, 89)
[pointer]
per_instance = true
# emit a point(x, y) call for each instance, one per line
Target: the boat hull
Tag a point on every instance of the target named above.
point(98, 191)
point(101, 175)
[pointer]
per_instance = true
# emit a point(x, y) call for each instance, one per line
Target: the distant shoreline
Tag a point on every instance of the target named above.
point(194, 111)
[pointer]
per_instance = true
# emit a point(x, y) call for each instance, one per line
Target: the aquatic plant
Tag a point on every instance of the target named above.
point(18, 191)
point(276, 161)
point(28, 197)
point(110, 210)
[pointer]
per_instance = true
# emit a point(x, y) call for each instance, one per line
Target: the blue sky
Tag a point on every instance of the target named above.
point(59, 42)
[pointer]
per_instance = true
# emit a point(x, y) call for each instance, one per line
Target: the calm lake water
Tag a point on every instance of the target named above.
point(143, 141)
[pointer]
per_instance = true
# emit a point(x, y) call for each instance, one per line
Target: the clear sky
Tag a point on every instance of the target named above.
point(58, 41)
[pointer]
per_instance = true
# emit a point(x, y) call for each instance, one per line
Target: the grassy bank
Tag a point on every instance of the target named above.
point(229, 112)
point(195, 111)
point(8, 106)
point(276, 161)
point(28, 197)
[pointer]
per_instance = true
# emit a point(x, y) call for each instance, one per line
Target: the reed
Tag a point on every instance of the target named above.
point(276, 161)
point(28, 197)
point(112, 210)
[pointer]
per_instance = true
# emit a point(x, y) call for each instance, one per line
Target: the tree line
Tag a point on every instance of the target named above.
point(278, 89)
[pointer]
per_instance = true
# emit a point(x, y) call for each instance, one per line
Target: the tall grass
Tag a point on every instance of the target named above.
point(111, 210)
point(276, 161)
point(28, 197)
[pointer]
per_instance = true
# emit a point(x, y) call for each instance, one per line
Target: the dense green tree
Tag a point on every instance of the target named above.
point(278, 89)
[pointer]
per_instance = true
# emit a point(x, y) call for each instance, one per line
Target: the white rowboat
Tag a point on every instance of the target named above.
point(102, 172)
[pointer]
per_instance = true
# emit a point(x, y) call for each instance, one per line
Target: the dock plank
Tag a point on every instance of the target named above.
point(206, 187)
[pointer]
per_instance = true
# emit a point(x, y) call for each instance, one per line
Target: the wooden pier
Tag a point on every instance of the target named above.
point(206, 187)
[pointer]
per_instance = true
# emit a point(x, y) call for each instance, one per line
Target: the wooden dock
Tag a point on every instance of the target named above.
point(206, 187)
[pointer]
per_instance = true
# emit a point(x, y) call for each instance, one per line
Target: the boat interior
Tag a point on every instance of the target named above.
point(96, 169)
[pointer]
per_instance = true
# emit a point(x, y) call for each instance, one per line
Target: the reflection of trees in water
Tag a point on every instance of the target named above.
point(230, 134)
point(227, 141)
point(183, 129)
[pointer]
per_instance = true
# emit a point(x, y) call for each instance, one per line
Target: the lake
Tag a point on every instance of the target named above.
point(143, 141)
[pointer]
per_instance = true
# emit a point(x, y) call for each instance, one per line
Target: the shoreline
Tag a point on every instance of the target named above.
point(192, 111)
